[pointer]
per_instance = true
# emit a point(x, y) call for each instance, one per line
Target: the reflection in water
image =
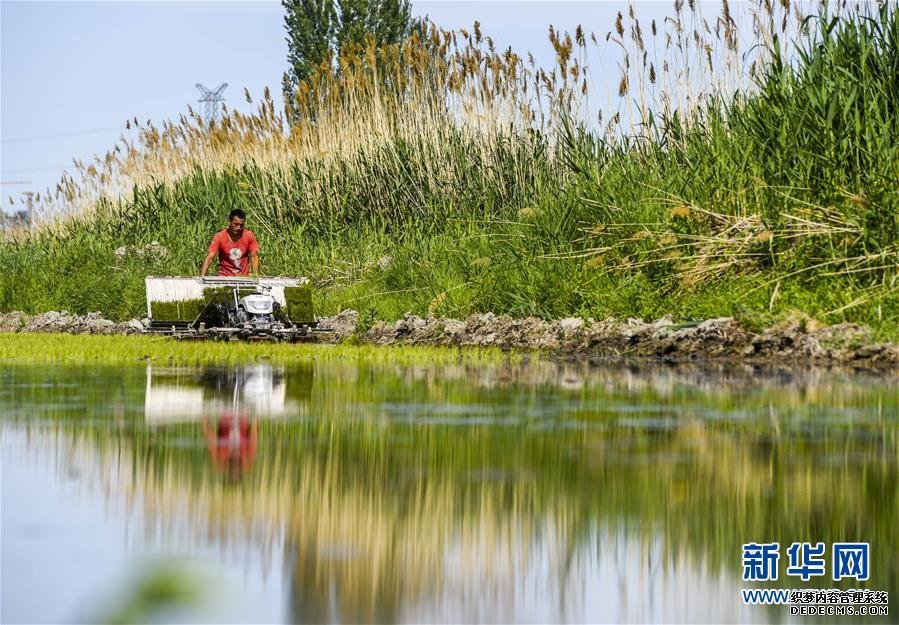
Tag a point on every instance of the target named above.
point(543, 492)
point(228, 402)
point(232, 444)
point(179, 394)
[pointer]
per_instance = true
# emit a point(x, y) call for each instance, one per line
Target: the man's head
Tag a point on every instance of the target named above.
point(236, 220)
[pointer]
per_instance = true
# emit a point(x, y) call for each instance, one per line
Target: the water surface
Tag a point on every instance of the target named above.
point(349, 493)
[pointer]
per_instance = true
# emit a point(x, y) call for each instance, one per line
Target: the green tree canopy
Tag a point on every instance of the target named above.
point(317, 30)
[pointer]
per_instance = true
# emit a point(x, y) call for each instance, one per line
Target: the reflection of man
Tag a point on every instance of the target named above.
point(232, 444)
point(236, 248)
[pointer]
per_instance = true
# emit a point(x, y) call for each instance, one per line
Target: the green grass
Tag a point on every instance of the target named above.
point(99, 349)
point(780, 199)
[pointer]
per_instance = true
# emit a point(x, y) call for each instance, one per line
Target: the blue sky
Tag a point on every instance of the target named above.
point(73, 72)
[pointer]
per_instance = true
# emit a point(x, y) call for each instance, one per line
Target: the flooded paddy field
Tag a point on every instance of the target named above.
point(345, 491)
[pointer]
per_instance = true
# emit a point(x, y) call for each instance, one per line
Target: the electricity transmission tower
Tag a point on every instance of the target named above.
point(211, 98)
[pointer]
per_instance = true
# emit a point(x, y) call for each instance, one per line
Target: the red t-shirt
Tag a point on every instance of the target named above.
point(234, 255)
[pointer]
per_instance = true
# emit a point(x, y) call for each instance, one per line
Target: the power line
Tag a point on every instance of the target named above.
point(27, 169)
point(61, 134)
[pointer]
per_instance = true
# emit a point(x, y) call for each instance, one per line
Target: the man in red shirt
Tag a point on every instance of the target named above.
point(236, 248)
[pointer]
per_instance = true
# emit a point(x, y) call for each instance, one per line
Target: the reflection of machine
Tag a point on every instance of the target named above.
point(260, 390)
point(231, 307)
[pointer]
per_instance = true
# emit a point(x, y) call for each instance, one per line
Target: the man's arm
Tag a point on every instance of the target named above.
point(253, 249)
point(206, 262)
point(213, 252)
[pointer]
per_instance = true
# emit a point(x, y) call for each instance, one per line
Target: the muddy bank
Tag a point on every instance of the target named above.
point(63, 321)
point(797, 342)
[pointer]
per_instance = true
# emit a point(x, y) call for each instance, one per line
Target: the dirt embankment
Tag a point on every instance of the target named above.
point(797, 342)
point(56, 321)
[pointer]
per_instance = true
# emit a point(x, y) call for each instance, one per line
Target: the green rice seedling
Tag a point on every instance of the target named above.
point(100, 349)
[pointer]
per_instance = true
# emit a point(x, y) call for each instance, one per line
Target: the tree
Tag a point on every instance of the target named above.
point(310, 26)
point(317, 30)
point(389, 21)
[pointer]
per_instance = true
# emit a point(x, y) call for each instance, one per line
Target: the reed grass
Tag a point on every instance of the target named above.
point(709, 177)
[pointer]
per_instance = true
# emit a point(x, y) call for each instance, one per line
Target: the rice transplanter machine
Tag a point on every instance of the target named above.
point(232, 308)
